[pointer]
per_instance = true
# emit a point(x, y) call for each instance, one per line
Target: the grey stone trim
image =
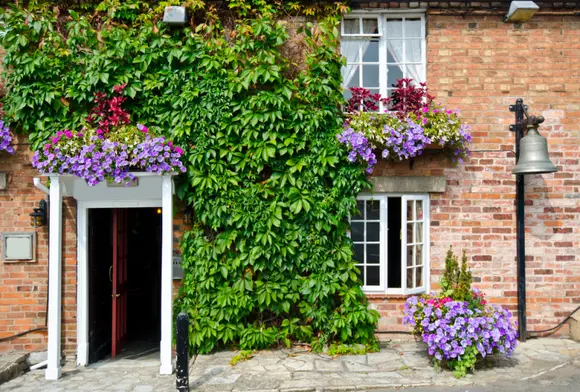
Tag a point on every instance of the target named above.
point(409, 184)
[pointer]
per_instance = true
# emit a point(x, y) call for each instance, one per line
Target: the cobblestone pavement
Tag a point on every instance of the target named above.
point(400, 365)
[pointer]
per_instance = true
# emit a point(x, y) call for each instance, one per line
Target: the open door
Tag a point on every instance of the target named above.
point(119, 278)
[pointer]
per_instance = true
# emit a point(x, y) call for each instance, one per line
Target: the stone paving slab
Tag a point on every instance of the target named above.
point(397, 366)
point(12, 364)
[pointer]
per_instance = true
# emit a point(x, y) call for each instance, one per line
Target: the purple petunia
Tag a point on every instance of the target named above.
point(5, 139)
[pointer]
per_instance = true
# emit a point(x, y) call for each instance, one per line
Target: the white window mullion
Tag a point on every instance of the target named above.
point(384, 242)
point(383, 68)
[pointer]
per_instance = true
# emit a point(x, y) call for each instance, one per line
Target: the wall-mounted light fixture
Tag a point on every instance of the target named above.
point(188, 216)
point(521, 11)
point(175, 16)
point(38, 216)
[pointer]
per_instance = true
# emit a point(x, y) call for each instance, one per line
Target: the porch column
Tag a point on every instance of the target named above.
point(53, 369)
point(166, 275)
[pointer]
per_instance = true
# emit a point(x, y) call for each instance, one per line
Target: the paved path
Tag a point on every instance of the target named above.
point(400, 365)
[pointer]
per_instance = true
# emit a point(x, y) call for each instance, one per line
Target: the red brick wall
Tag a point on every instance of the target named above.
point(23, 286)
point(481, 65)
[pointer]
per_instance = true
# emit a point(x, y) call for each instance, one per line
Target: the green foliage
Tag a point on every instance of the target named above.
point(351, 349)
point(456, 280)
point(244, 355)
point(268, 260)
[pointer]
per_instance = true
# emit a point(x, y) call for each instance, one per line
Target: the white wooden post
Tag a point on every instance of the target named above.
point(83, 285)
point(53, 369)
point(166, 276)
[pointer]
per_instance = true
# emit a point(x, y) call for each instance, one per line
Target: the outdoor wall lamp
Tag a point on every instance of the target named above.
point(188, 216)
point(531, 158)
point(521, 11)
point(38, 216)
point(175, 16)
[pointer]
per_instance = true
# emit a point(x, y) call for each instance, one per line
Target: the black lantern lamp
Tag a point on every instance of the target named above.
point(188, 216)
point(38, 216)
point(531, 158)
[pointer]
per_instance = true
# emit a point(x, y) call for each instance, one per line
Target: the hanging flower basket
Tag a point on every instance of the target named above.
point(108, 148)
point(414, 124)
point(5, 139)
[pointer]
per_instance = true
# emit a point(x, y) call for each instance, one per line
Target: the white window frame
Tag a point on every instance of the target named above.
point(383, 278)
point(383, 38)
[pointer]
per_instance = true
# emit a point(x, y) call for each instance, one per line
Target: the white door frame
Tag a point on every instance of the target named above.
point(163, 199)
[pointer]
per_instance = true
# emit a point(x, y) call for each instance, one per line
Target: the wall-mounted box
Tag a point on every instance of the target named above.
point(3, 181)
point(18, 247)
point(177, 270)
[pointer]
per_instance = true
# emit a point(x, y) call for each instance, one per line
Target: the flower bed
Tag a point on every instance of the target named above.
point(108, 148)
point(5, 139)
point(458, 325)
point(409, 128)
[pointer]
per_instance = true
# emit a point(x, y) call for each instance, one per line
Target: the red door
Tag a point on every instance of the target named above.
point(120, 236)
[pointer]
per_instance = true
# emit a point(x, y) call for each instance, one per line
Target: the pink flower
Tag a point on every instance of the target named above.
point(425, 109)
point(449, 111)
point(435, 111)
point(59, 133)
point(55, 139)
point(68, 134)
point(170, 144)
point(47, 146)
point(99, 131)
point(179, 150)
point(142, 128)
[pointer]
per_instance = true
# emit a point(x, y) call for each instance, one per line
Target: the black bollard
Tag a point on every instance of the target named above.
point(182, 350)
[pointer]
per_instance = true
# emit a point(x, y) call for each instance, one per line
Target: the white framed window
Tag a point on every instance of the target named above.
point(390, 235)
point(382, 48)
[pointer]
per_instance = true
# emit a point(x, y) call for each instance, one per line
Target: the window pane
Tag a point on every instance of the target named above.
point(394, 28)
point(360, 205)
point(373, 231)
point(373, 210)
point(350, 48)
point(357, 231)
point(351, 26)
point(419, 205)
point(413, 28)
point(359, 253)
point(395, 51)
point(371, 76)
point(419, 255)
point(413, 51)
point(370, 26)
point(394, 73)
point(410, 237)
point(373, 253)
point(361, 274)
point(415, 72)
point(419, 277)
point(371, 52)
point(410, 278)
point(410, 210)
point(419, 232)
point(373, 276)
point(410, 255)
point(352, 76)
point(347, 94)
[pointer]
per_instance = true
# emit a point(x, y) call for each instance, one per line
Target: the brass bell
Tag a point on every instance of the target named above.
point(534, 157)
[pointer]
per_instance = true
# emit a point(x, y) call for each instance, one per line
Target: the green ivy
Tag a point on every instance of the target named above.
point(268, 260)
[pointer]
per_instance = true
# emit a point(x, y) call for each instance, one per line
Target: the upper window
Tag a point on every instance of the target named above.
point(380, 49)
point(390, 236)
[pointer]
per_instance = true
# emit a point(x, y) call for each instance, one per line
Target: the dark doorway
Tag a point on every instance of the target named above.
point(394, 243)
point(140, 315)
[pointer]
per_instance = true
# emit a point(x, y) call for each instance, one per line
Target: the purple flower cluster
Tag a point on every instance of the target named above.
point(358, 146)
point(104, 159)
point(5, 139)
point(453, 328)
point(405, 141)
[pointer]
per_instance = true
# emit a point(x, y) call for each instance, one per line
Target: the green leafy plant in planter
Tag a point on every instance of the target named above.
point(458, 325)
point(412, 123)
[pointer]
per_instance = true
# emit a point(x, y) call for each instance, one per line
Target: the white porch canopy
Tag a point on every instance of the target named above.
point(152, 190)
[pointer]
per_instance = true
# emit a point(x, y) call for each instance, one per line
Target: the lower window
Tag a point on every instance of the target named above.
point(390, 235)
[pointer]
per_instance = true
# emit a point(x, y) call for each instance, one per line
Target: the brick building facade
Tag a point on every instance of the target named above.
point(474, 62)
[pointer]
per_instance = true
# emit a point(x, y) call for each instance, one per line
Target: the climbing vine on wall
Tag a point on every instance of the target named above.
point(268, 260)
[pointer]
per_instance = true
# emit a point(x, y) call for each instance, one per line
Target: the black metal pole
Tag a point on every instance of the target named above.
point(519, 110)
point(182, 351)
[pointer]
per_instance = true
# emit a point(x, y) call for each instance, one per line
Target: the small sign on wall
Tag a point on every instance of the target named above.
point(177, 270)
point(18, 247)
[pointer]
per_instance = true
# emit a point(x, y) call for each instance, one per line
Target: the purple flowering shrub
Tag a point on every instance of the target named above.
point(97, 156)
point(458, 334)
point(405, 133)
point(5, 139)
point(458, 325)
